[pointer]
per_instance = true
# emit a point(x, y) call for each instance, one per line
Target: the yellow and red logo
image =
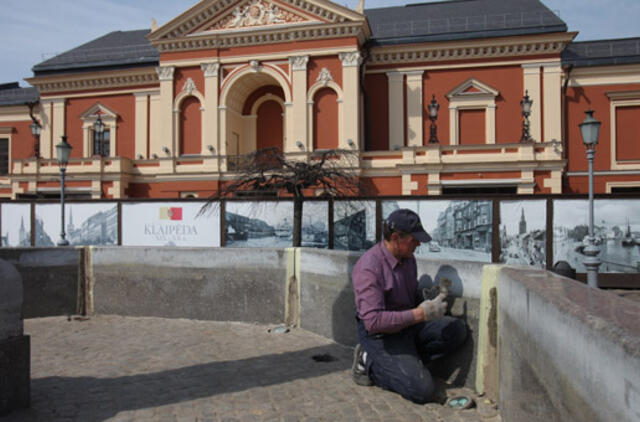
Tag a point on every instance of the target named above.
point(167, 213)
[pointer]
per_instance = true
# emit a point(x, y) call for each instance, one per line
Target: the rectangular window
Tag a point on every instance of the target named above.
point(472, 127)
point(102, 146)
point(628, 133)
point(4, 157)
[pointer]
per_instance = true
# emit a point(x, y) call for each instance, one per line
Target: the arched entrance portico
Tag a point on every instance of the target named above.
point(253, 111)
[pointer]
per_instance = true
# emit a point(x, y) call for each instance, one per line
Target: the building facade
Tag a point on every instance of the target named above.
point(179, 103)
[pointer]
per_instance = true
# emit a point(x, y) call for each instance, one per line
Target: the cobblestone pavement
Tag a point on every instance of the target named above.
point(111, 368)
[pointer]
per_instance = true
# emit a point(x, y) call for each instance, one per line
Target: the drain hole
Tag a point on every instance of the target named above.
point(324, 358)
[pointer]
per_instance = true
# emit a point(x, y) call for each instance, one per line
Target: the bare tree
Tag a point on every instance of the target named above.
point(268, 171)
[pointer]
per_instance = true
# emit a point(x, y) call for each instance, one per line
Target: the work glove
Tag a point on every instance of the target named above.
point(434, 308)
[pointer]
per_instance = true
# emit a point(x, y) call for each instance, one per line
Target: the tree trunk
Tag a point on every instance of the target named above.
point(297, 221)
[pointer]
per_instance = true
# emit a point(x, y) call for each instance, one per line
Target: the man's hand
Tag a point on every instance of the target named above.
point(433, 309)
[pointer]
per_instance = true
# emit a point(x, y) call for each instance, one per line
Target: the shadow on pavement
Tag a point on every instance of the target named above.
point(97, 399)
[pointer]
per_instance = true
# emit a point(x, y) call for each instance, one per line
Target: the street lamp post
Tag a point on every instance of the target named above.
point(590, 130)
point(526, 104)
point(63, 150)
point(36, 130)
point(433, 116)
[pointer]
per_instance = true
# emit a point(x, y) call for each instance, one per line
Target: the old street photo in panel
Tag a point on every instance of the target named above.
point(16, 225)
point(354, 225)
point(523, 233)
point(460, 230)
point(85, 224)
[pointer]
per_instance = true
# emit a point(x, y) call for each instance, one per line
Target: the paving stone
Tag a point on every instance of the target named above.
point(113, 368)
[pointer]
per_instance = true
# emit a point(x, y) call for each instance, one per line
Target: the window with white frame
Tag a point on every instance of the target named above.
point(4, 156)
point(625, 129)
point(96, 143)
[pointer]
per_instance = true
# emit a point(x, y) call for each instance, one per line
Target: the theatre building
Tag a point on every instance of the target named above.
point(181, 101)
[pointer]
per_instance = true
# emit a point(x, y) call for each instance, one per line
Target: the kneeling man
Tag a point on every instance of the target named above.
point(398, 331)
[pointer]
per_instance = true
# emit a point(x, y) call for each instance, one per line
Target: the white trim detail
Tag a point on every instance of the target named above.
point(621, 99)
point(89, 117)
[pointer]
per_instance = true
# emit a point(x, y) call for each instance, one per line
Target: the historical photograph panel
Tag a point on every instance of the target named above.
point(616, 232)
point(170, 224)
point(315, 224)
point(354, 225)
point(16, 225)
point(259, 224)
point(523, 233)
point(85, 224)
point(459, 229)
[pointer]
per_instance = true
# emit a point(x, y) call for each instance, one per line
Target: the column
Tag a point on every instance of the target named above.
point(532, 85)
point(58, 124)
point(415, 120)
point(211, 103)
point(351, 99)
point(46, 136)
point(164, 137)
point(142, 124)
point(299, 108)
point(552, 82)
point(396, 109)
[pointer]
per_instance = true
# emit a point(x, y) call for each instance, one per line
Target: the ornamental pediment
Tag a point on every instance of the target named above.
point(256, 14)
point(473, 88)
point(215, 16)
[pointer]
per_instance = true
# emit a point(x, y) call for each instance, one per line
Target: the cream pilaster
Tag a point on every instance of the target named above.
point(532, 86)
point(164, 136)
point(58, 125)
point(351, 98)
point(154, 124)
point(142, 124)
point(299, 109)
point(415, 121)
point(211, 103)
point(223, 136)
point(396, 109)
point(46, 136)
point(552, 81)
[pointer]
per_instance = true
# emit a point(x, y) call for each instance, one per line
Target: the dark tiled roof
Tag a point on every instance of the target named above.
point(602, 52)
point(461, 19)
point(11, 94)
point(119, 48)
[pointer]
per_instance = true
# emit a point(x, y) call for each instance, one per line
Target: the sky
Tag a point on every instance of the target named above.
point(35, 30)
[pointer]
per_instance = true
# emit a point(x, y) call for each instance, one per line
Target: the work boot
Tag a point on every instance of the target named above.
point(359, 370)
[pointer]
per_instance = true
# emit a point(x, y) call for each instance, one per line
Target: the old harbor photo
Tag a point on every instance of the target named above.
point(616, 233)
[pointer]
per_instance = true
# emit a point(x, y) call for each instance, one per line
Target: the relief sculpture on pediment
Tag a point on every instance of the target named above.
point(256, 13)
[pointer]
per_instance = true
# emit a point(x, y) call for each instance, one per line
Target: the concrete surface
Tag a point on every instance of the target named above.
point(51, 279)
point(198, 283)
point(112, 368)
point(566, 351)
point(14, 346)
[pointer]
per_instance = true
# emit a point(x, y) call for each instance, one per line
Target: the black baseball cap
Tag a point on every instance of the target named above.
point(407, 221)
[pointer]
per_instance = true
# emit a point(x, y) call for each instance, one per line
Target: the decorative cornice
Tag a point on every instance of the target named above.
point(351, 59)
point(493, 48)
point(90, 82)
point(299, 62)
point(313, 31)
point(165, 73)
point(211, 70)
point(325, 76)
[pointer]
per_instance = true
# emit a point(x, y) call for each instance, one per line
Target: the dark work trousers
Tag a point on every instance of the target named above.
point(395, 362)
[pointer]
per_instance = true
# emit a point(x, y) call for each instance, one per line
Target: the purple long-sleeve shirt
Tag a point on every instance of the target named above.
point(385, 290)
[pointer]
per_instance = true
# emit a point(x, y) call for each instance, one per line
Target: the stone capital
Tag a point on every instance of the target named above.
point(351, 59)
point(298, 62)
point(211, 70)
point(165, 73)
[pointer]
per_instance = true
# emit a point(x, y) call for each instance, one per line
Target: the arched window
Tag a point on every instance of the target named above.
point(325, 119)
point(190, 126)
